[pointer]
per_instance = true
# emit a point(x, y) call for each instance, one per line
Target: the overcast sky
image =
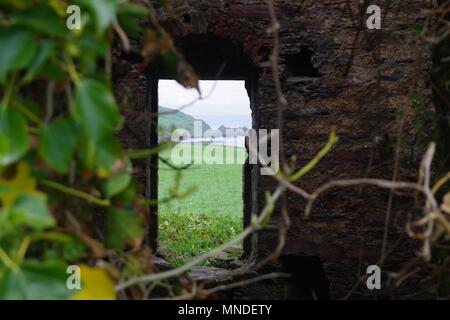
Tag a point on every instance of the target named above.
point(228, 104)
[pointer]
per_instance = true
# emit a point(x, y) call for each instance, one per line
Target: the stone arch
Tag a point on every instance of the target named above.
point(213, 58)
point(189, 22)
point(321, 36)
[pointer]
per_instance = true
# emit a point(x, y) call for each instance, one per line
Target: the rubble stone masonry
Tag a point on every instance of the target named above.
point(335, 73)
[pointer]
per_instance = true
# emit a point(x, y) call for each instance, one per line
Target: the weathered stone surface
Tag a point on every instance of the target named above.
point(366, 78)
point(210, 274)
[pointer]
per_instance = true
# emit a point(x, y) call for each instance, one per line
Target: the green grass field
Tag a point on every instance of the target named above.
point(206, 218)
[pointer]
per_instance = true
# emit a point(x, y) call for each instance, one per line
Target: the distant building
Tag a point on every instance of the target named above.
point(223, 130)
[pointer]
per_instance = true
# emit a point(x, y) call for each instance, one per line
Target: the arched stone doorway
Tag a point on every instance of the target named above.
point(337, 90)
point(213, 58)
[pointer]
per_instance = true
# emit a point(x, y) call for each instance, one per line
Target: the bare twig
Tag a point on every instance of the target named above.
point(122, 35)
point(246, 282)
point(256, 225)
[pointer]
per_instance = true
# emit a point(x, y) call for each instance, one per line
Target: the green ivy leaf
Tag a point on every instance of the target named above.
point(128, 17)
point(74, 249)
point(89, 43)
point(107, 154)
point(17, 50)
point(122, 225)
point(51, 71)
point(86, 153)
point(96, 110)
point(57, 144)
point(41, 18)
point(45, 49)
point(101, 156)
point(13, 135)
point(30, 210)
point(133, 9)
point(117, 184)
point(35, 280)
point(104, 12)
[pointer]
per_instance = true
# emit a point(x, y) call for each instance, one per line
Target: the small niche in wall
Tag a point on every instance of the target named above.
point(301, 65)
point(187, 18)
point(308, 279)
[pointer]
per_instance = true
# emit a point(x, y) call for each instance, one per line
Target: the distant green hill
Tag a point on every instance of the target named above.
point(170, 119)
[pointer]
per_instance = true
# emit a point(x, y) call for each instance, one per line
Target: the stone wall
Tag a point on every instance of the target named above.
point(335, 73)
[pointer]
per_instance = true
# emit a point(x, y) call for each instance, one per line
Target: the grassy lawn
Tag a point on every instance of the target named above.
point(209, 216)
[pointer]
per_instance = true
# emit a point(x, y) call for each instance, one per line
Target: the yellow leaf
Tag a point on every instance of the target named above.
point(97, 285)
point(22, 183)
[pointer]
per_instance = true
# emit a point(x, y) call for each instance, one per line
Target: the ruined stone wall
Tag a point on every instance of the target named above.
point(335, 73)
point(366, 80)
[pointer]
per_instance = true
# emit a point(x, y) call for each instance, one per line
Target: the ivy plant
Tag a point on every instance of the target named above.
point(61, 163)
